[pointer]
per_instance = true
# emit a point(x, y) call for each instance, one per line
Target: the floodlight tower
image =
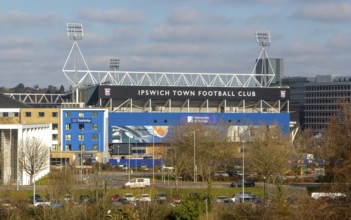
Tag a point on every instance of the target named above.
point(75, 33)
point(114, 64)
point(263, 39)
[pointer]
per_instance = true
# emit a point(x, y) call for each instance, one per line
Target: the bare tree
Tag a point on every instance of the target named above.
point(198, 149)
point(269, 152)
point(34, 157)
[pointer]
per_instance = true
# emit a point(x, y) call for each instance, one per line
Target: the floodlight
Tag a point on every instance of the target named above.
point(114, 64)
point(263, 38)
point(75, 31)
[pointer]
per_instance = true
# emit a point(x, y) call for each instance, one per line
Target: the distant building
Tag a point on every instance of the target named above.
point(270, 66)
point(297, 96)
point(323, 98)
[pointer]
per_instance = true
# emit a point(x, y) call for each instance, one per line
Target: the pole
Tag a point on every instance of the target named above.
point(264, 190)
point(243, 179)
point(129, 159)
point(194, 158)
point(153, 159)
point(81, 161)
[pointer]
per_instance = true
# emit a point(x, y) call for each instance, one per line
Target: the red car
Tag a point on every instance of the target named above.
point(115, 198)
point(176, 199)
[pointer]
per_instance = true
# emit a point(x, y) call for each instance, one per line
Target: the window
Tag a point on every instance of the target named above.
point(95, 126)
point(5, 114)
point(81, 114)
point(54, 147)
point(68, 137)
point(68, 127)
point(54, 137)
point(81, 137)
point(41, 114)
point(68, 147)
point(28, 114)
point(94, 114)
point(54, 126)
point(81, 147)
point(68, 114)
point(95, 147)
point(95, 137)
point(54, 114)
point(81, 126)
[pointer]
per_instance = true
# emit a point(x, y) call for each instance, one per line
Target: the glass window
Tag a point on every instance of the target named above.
point(41, 114)
point(68, 114)
point(54, 126)
point(95, 147)
point(94, 114)
point(81, 137)
point(68, 127)
point(54, 137)
point(54, 114)
point(54, 147)
point(68, 147)
point(95, 137)
point(81, 126)
point(81, 147)
point(81, 114)
point(95, 126)
point(5, 114)
point(28, 114)
point(68, 137)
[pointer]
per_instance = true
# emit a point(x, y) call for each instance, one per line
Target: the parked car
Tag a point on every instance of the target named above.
point(115, 198)
point(246, 197)
point(161, 198)
point(239, 183)
point(85, 199)
point(176, 199)
point(222, 199)
point(221, 174)
point(144, 198)
point(130, 197)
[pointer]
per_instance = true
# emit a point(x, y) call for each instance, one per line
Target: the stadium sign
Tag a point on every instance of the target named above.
point(193, 93)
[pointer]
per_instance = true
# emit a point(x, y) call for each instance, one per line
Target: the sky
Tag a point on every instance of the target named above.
point(216, 36)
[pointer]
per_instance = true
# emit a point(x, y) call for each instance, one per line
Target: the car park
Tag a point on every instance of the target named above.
point(239, 183)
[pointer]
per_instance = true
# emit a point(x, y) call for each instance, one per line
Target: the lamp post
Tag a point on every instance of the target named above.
point(264, 190)
point(153, 159)
point(129, 159)
point(195, 168)
point(243, 178)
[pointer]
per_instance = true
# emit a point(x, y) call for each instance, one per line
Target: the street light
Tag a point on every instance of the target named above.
point(243, 178)
point(153, 159)
point(195, 168)
point(129, 135)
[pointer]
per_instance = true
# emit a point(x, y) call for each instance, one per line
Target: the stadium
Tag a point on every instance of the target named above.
point(143, 105)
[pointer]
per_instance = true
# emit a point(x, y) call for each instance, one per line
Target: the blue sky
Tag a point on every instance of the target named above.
point(312, 36)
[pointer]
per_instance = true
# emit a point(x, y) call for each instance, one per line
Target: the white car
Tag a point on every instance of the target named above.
point(129, 197)
point(144, 198)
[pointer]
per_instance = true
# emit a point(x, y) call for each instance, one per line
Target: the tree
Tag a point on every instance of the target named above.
point(204, 145)
point(34, 157)
point(269, 152)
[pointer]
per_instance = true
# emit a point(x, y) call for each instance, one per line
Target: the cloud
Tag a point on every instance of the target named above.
point(189, 33)
point(249, 1)
point(324, 12)
point(18, 19)
point(339, 43)
point(117, 16)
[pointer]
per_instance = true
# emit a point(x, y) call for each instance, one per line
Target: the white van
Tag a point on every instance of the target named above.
point(138, 183)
